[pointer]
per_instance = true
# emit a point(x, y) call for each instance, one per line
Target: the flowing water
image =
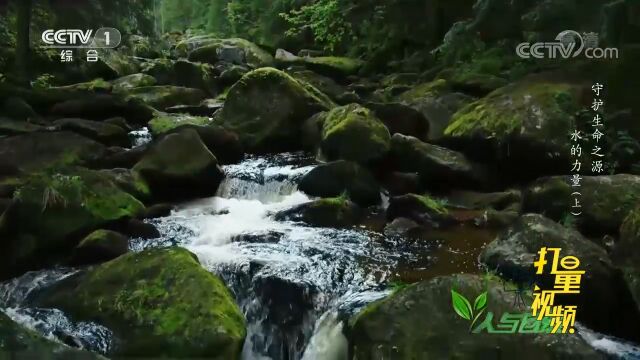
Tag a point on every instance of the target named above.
point(294, 283)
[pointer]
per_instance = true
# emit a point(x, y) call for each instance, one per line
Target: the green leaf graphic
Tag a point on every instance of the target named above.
point(481, 302)
point(461, 305)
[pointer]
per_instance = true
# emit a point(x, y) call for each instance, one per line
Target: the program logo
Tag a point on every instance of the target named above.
point(568, 44)
point(77, 38)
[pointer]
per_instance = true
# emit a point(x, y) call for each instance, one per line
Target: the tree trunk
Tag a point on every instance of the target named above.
point(22, 39)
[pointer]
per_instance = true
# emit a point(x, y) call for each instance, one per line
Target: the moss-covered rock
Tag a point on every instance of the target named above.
point(164, 122)
point(331, 66)
point(422, 209)
point(388, 329)
point(605, 303)
point(41, 150)
point(164, 96)
point(526, 124)
point(401, 119)
point(180, 166)
point(328, 212)
point(605, 200)
point(353, 132)
point(19, 342)
point(110, 135)
point(342, 177)
point(267, 107)
point(111, 65)
point(438, 167)
point(158, 303)
point(183, 73)
point(16, 127)
point(100, 246)
point(338, 93)
point(50, 211)
point(125, 83)
point(222, 143)
point(96, 85)
point(237, 51)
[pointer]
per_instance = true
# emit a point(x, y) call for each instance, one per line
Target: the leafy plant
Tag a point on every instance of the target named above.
point(43, 81)
point(463, 307)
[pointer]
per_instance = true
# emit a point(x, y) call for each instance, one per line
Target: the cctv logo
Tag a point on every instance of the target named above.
point(74, 38)
point(69, 38)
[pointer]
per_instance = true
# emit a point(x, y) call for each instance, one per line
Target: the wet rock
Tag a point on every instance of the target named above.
point(439, 168)
point(336, 178)
point(354, 133)
point(110, 135)
point(330, 212)
point(118, 157)
point(11, 127)
point(422, 209)
point(39, 150)
point(180, 166)
point(164, 96)
point(605, 303)
point(287, 301)
point(157, 211)
point(270, 237)
point(267, 107)
point(139, 229)
point(16, 339)
point(200, 110)
point(605, 200)
point(235, 51)
point(50, 211)
point(102, 106)
point(229, 75)
point(387, 329)
point(99, 246)
point(222, 143)
point(126, 83)
point(120, 122)
point(401, 119)
point(510, 199)
point(158, 303)
point(523, 126)
point(399, 183)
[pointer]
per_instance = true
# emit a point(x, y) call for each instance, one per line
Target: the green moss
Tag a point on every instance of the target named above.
point(159, 302)
point(543, 105)
point(346, 66)
point(164, 122)
point(93, 85)
point(436, 205)
point(163, 96)
point(426, 90)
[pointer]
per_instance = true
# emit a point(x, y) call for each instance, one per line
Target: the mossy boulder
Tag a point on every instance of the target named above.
point(164, 96)
point(110, 135)
point(40, 150)
point(96, 85)
point(130, 182)
point(353, 132)
point(422, 209)
point(17, 341)
point(605, 200)
point(164, 122)
point(159, 303)
point(225, 145)
point(125, 83)
point(111, 65)
point(388, 328)
point(332, 66)
point(100, 246)
point(438, 167)
point(183, 73)
point(329, 212)
point(236, 51)
point(180, 166)
point(51, 211)
point(267, 108)
point(17, 127)
point(104, 106)
point(342, 177)
point(605, 303)
point(523, 126)
point(338, 93)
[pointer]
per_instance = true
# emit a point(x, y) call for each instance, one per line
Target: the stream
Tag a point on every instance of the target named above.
point(294, 283)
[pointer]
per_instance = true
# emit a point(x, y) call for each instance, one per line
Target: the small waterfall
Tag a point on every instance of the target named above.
point(328, 342)
point(140, 137)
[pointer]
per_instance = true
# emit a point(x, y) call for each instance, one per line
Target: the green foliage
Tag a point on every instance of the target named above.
point(327, 20)
point(43, 81)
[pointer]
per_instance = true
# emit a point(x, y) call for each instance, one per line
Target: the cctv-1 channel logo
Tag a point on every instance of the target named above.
point(75, 38)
